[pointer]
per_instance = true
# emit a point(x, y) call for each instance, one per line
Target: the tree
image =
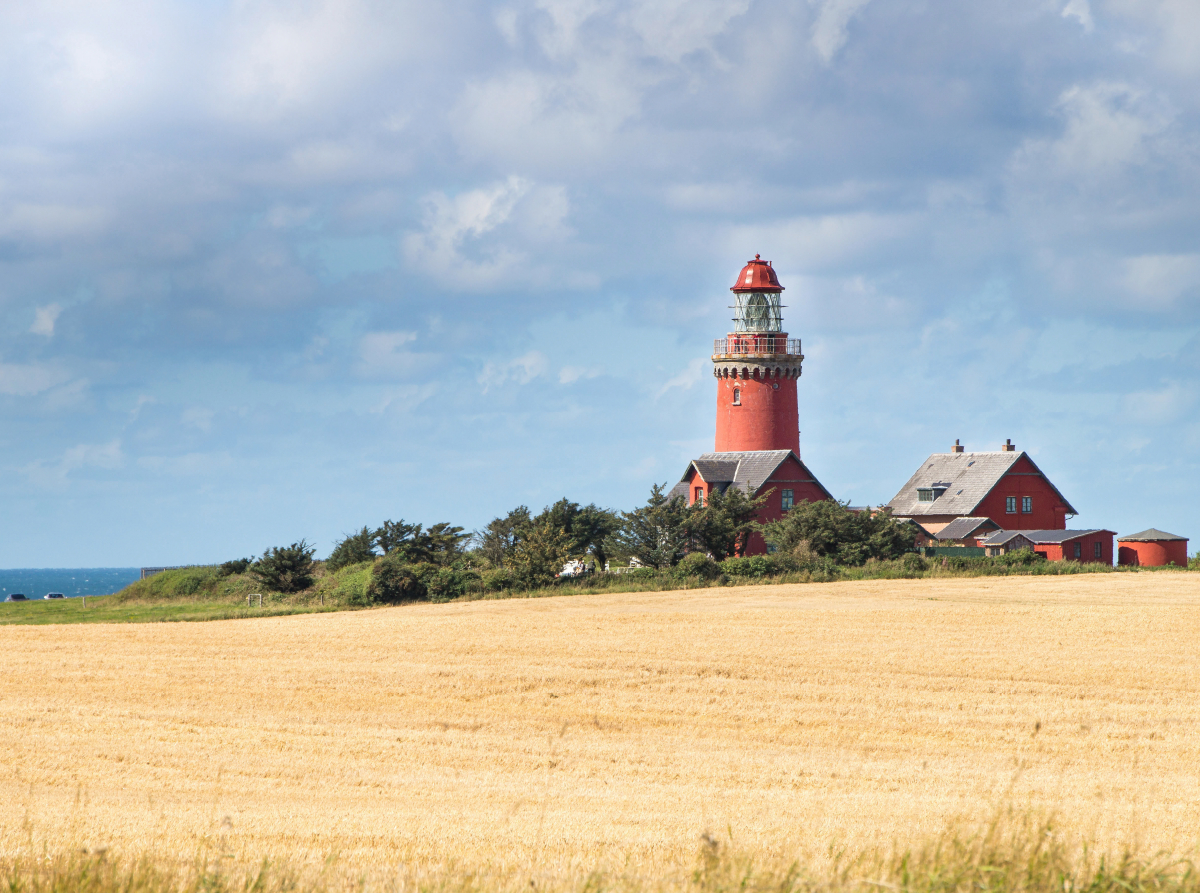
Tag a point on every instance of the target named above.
point(589, 527)
point(440, 544)
point(395, 580)
point(497, 541)
point(285, 569)
point(655, 534)
point(354, 548)
point(236, 566)
point(539, 555)
point(830, 529)
point(395, 536)
point(721, 525)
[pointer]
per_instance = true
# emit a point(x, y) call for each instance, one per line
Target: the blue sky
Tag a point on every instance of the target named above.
point(281, 269)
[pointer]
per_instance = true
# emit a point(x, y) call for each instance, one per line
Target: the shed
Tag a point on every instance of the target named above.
point(1005, 541)
point(1152, 548)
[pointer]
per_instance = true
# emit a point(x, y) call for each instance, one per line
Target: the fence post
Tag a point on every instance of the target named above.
point(85, 601)
point(248, 597)
point(260, 599)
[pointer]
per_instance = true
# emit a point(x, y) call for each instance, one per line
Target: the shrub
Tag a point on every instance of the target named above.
point(755, 566)
point(443, 584)
point(498, 579)
point(1194, 564)
point(1020, 558)
point(394, 580)
point(913, 562)
point(236, 566)
point(697, 564)
point(353, 548)
point(286, 568)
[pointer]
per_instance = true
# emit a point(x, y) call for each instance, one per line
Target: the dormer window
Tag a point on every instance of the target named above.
point(932, 492)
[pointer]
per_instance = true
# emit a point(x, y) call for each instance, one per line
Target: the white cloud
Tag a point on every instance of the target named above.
point(1108, 127)
point(521, 370)
point(44, 319)
point(26, 380)
point(829, 242)
point(1172, 402)
point(688, 378)
point(830, 31)
point(1158, 280)
point(382, 354)
point(86, 455)
point(478, 239)
point(1081, 11)
point(198, 417)
point(572, 374)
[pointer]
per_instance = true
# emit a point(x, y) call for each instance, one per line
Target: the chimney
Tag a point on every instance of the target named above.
point(1008, 446)
point(957, 448)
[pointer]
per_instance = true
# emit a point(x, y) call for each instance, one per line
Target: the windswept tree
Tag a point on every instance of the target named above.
point(441, 544)
point(539, 555)
point(831, 529)
point(285, 568)
point(354, 548)
point(589, 527)
point(721, 524)
point(655, 534)
point(499, 538)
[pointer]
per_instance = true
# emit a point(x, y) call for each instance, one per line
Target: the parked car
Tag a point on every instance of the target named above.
point(53, 595)
point(17, 597)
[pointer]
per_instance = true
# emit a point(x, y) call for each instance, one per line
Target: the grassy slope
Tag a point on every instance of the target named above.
point(202, 593)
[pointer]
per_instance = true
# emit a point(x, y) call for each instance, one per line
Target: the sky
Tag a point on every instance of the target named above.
point(279, 270)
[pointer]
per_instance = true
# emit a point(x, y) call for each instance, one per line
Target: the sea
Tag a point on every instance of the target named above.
point(35, 582)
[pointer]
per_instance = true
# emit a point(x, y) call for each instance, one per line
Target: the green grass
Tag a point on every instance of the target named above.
point(108, 609)
point(1009, 856)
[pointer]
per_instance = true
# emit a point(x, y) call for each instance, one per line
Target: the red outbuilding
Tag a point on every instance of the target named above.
point(1152, 548)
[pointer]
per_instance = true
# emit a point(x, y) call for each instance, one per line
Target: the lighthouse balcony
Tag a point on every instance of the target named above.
point(750, 345)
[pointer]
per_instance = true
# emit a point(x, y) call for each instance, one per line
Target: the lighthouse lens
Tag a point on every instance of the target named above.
point(758, 313)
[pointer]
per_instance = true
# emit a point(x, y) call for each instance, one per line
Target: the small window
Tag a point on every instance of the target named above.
point(1010, 505)
point(924, 494)
point(737, 396)
point(699, 495)
point(788, 499)
point(1079, 550)
point(1027, 504)
point(1099, 549)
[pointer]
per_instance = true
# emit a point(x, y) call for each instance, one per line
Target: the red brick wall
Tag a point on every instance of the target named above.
point(767, 418)
point(1024, 480)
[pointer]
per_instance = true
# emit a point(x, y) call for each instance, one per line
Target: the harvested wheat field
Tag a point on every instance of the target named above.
point(613, 730)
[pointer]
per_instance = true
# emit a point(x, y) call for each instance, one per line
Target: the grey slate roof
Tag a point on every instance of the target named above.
point(1003, 537)
point(745, 470)
point(1153, 535)
point(964, 527)
point(1041, 537)
point(968, 478)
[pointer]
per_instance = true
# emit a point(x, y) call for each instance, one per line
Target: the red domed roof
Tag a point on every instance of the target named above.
point(757, 276)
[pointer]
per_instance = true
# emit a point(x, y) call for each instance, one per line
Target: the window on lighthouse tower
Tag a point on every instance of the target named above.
point(737, 396)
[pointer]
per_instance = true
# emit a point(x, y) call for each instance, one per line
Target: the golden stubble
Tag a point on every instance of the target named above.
point(568, 734)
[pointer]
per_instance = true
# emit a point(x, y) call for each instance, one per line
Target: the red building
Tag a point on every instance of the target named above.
point(1005, 487)
point(758, 431)
point(1153, 548)
point(1084, 546)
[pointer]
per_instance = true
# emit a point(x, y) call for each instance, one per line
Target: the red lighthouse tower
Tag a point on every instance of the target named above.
point(758, 431)
point(756, 366)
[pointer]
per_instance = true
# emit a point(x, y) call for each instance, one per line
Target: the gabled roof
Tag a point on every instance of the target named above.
point(1003, 537)
point(968, 479)
point(964, 527)
point(1153, 535)
point(747, 470)
point(1041, 537)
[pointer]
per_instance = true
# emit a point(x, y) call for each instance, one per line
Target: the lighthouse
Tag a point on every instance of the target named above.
point(756, 367)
